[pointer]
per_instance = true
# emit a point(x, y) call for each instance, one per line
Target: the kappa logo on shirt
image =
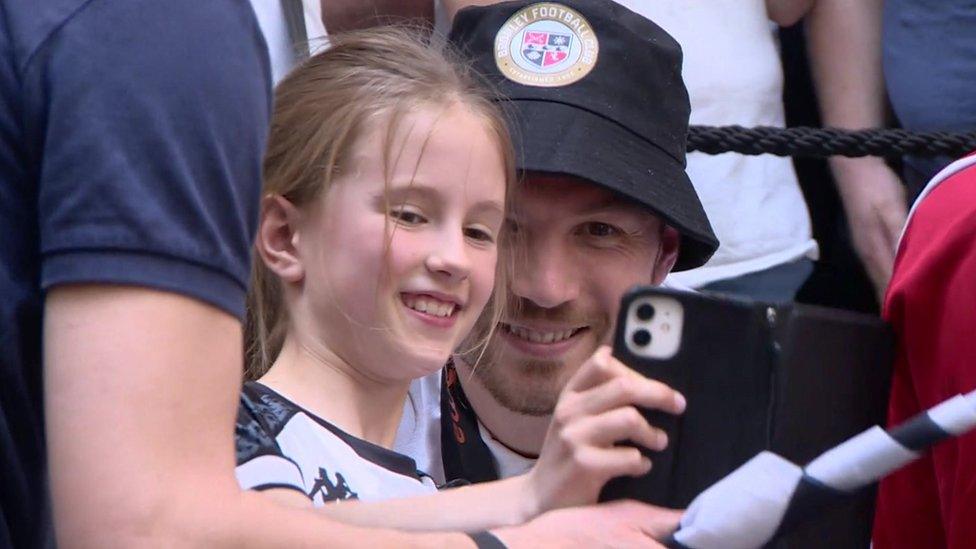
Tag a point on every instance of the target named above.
point(546, 45)
point(331, 491)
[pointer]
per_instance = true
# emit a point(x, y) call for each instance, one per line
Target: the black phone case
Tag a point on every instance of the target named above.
point(717, 339)
point(794, 379)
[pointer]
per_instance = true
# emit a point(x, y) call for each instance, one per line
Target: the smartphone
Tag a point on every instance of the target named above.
point(699, 346)
point(794, 379)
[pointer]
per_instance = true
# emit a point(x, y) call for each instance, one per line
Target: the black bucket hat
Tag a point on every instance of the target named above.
point(595, 92)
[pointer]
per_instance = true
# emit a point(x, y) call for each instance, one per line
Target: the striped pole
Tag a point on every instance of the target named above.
point(768, 495)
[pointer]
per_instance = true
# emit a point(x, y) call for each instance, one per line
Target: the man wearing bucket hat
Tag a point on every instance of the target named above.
point(599, 114)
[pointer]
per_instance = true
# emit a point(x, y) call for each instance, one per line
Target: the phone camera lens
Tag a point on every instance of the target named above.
point(641, 338)
point(645, 312)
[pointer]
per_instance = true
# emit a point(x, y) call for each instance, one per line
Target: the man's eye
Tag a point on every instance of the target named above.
point(600, 229)
point(407, 217)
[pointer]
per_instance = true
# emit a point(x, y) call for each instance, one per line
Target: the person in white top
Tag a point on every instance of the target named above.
point(733, 73)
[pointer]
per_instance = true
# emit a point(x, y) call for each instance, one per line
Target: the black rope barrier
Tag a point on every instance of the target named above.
point(823, 142)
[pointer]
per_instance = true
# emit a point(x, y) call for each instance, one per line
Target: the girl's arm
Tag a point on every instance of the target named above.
point(469, 508)
point(596, 410)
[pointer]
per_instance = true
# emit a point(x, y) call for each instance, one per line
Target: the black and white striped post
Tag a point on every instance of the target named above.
point(768, 495)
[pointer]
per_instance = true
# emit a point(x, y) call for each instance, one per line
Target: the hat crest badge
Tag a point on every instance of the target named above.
point(546, 45)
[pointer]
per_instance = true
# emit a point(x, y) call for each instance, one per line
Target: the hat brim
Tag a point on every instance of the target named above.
point(559, 138)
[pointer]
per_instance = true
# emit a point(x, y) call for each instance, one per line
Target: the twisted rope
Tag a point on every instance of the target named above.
point(822, 142)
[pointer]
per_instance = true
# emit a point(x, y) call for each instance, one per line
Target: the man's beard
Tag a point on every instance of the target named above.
point(528, 386)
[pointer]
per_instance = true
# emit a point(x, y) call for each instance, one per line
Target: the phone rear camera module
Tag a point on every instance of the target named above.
point(641, 338)
point(645, 312)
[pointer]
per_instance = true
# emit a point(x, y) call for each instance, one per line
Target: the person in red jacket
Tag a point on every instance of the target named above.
point(931, 303)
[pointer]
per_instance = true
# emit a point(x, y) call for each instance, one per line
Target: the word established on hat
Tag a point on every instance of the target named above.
point(594, 91)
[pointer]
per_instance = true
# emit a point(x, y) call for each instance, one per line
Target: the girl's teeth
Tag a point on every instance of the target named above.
point(429, 306)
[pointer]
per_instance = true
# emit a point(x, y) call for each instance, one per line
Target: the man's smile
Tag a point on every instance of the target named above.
point(542, 341)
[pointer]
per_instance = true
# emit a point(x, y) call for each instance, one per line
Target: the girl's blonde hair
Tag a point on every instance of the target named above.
point(321, 109)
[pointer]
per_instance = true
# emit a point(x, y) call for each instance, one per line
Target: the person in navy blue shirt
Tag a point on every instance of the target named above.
point(130, 144)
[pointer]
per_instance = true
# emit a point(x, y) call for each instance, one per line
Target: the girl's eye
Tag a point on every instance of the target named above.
point(480, 235)
point(598, 229)
point(407, 217)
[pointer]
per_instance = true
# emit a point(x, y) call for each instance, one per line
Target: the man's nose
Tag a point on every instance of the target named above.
point(449, 256)
point(546, 275)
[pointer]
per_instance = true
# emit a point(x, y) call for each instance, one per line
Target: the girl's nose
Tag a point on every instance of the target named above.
point(450, 257)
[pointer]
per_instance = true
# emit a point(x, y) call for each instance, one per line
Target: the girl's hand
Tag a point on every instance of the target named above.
point(597, 409)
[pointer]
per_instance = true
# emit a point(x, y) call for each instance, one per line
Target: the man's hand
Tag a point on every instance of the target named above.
point(874, 201)
point(598, 409)
point(617, 524)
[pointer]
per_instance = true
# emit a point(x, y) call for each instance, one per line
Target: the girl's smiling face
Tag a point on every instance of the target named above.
point(398, 257)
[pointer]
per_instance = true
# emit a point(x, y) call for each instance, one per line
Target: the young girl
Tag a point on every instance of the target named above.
point(381, 226)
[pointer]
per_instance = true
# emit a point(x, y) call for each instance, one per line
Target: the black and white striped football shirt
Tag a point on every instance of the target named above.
point(282, 445)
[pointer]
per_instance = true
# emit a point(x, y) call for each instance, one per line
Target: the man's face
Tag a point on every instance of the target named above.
point(576, 249)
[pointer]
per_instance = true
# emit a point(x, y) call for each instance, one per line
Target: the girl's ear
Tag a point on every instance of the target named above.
point(667, 254)
point(277, 239)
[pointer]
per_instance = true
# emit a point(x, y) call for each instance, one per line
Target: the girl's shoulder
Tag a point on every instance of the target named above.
point(261, 416)
point(263, 404)
point(330, 463)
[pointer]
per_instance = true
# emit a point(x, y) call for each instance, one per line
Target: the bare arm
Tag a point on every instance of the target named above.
point(469, 508)
point(488, 505)
point(621, 523)
point(845, 53)
point(345, 15)
point(786, 13)
point(140, 394)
